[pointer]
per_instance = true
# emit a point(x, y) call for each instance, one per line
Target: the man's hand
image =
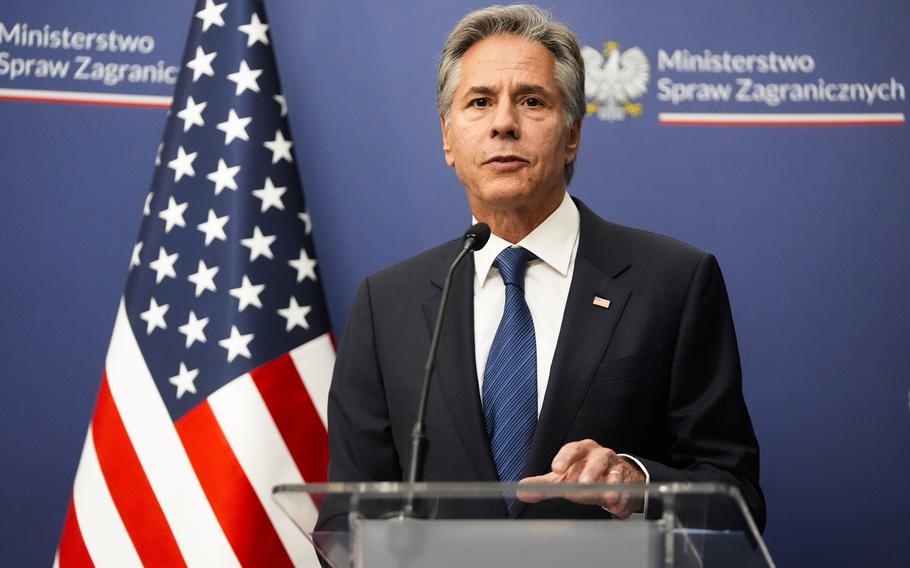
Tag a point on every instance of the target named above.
point(589, 462)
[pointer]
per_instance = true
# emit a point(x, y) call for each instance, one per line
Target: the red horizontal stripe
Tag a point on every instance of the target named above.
point(130, 488)
point(778, 123)
point(296, 417)
point(237, 508)
point(73, 553)
point(94, 102)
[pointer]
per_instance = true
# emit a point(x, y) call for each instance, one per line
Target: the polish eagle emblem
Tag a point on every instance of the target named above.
point(613, 79)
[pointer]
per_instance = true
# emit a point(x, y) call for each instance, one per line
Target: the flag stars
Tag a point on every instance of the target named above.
point(237, 344)
point(282, 102)
point(213, 228)
point(137, 249)
point(164, 265)
point(146, 209)
point(192, 114)
point(255, 31)
point(259, 244)
point(307, 222)
point(158, 154)
point(245, 78)
point(202, 64)
point(203, 278)
point(194, 329)
point(154, 316)
point(305, 266)
point(223, 177)
point(295, 315)
point(173, 215)
point(234, 127)
point(184, 380)
point(280, 147)
point(211, 15)
point(183, 164)
point(270, 195)
point(248, 294)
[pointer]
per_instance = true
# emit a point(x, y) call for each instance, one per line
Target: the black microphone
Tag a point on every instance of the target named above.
point(474, 239)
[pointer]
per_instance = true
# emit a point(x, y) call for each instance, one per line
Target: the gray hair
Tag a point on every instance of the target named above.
point(528, 22)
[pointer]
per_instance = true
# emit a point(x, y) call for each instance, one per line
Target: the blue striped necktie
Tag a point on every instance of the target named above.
point(510, 377)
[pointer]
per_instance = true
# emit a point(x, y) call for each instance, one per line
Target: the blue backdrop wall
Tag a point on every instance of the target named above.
point(809, 222)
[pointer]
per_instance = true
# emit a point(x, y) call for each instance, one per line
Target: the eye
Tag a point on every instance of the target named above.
point(533, 102)
point(480, 102)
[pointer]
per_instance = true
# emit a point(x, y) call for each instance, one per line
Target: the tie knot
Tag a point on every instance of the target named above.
point(511, 263)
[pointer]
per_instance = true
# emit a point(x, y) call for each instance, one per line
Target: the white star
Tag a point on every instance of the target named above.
point(183, 380)
point(304, 265)
point(214, 227)
point(134, 260)
point(259, 244)
point(280, 147)
point(248, 294)
point(283, 102)
point(203, 278)
point(270, 195)
point(173, 215)
point(255, 31)
point(146, 209)
point(202, 64)
point(154, 316)
point(192, 114)
point(234, 127)
point(158, 154)
point(245, 78)
point(237, 344)
point(307, 222)
point(164, 265)
point(223, 177)
point(295, 314)
point(183, 164)
point(193, 329)
point(211, 14)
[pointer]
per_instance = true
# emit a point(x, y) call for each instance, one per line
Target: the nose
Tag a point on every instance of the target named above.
point(505, 122)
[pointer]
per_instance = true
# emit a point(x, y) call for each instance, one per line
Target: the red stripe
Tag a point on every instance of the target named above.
point(95, 102)
point(72, 548)
point(296, 417)
point(239, 511)
point(130, 488)
point(787, 123)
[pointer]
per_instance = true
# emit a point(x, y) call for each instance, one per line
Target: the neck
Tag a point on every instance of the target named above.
point(514, 224)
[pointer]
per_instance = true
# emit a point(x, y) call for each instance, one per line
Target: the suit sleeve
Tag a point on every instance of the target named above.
point(710, 436)
point(361, 447)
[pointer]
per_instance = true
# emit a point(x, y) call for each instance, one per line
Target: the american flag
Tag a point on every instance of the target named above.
point(217, 374)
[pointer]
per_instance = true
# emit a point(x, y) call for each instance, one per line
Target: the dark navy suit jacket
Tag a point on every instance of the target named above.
point(656, 375)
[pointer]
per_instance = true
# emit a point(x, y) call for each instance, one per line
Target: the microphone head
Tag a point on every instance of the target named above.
point(477, 236)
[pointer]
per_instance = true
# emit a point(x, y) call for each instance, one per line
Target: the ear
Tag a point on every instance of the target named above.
point(573, 139)
point(446, 148)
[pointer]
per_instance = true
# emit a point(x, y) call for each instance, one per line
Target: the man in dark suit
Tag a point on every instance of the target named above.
point(575, 350)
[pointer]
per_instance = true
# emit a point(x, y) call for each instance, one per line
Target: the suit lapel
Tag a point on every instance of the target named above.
point(585, 334)
point(456, 370)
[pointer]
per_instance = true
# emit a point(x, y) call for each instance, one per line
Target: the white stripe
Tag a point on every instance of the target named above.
point(774, 118)
point(56, 563)
point(82, 96)
point(103, 531)
point(314, 361)
point(256, 442)
point(161, 453)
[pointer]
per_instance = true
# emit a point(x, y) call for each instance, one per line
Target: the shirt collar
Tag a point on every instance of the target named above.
point(553, 241)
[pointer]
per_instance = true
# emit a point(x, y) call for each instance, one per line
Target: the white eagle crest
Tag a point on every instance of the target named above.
point(613, 79)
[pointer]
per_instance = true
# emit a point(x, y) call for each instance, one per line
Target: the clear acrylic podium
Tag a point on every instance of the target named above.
point(465, 524)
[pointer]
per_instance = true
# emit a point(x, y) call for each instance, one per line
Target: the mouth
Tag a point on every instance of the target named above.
point(506, 159)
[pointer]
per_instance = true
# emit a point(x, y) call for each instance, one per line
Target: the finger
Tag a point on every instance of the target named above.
point(537, 495)
point(571, 453)
point(597, 464)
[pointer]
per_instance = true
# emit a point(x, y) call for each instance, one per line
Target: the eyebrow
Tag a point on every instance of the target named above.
point(521, 89)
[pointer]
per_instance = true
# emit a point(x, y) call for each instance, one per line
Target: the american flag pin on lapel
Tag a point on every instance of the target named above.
point(602, 302)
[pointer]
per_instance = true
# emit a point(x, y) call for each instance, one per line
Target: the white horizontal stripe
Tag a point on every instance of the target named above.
point(102, 529)
point(314, 361)
point(771, 118)
point(256, 442)
point(81, 96)
point(161, 453)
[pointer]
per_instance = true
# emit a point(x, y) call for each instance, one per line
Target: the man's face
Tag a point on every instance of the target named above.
point(506, 134)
